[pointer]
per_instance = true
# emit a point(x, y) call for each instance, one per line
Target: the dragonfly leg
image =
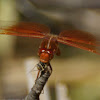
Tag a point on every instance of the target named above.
point(37, 75)
point(41, 66)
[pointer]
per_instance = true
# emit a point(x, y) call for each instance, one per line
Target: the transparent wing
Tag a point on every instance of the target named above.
point(80, 39)
point(25, 29)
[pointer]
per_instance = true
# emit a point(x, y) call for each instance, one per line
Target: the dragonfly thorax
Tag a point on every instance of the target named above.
point(48, 48)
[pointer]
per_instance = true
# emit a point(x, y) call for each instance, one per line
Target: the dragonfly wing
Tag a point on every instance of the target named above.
point(79, 36)
point(80, 39)
point(25, 29)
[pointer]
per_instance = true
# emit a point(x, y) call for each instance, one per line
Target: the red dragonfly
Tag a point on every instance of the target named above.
point(49, 45)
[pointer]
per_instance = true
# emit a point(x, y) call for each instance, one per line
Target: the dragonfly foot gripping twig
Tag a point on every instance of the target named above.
point(40, 82)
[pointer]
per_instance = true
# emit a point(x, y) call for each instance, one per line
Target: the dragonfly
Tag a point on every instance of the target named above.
point(49, 45)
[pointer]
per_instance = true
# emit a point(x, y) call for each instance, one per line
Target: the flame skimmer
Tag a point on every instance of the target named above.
point(49, 45)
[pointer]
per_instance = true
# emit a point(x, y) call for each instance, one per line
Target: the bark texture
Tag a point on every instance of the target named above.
point(38, 86)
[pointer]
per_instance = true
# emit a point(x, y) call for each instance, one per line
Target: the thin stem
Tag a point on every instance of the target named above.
point(39, 85)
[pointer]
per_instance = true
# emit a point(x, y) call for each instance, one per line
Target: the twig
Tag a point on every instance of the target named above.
point(40, 82)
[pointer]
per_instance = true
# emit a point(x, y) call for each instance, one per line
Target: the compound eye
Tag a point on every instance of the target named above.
point(49, 52)
point(42, 50)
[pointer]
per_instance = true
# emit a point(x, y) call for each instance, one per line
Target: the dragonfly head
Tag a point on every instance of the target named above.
point(45, 55)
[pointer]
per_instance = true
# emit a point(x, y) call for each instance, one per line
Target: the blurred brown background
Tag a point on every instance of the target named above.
point(77, 69)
